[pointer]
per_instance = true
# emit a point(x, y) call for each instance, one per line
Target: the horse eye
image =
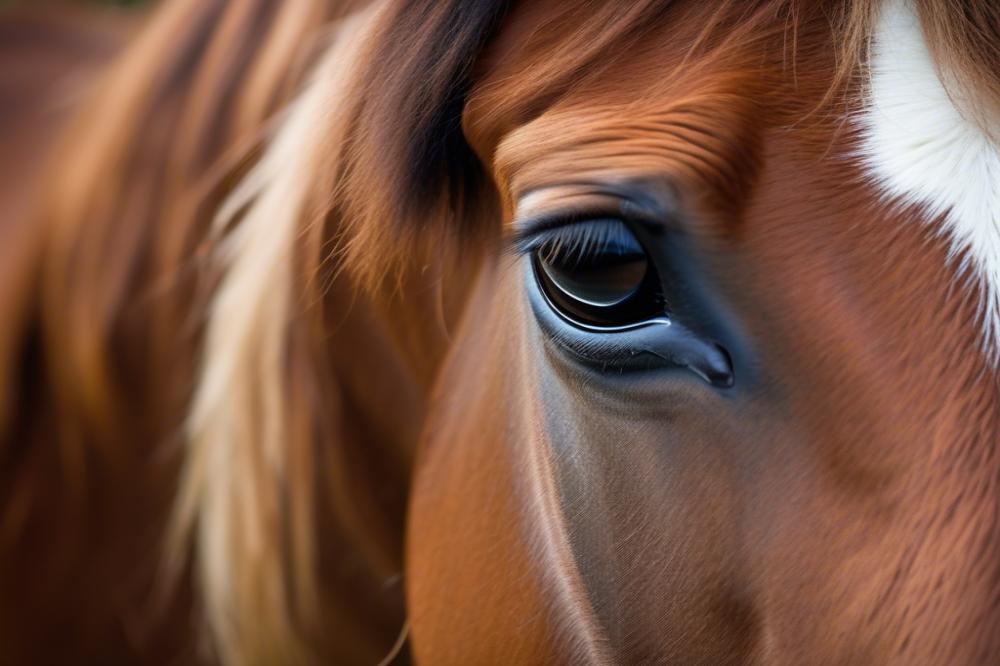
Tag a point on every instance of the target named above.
point(603, 279)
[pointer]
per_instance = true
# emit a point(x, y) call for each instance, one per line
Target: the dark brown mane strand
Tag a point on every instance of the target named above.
point(424, 120)
point(408, 162)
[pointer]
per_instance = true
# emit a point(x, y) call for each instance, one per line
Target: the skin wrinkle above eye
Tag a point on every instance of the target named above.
point(645, 201)
point(679, 145)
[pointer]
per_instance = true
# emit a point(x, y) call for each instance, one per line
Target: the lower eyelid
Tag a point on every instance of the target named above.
point(657, 342)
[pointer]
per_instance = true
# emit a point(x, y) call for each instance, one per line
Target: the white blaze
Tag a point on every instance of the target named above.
point(922, 150)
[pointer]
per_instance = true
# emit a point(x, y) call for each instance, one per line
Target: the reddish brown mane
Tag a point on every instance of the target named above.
point(107, 278)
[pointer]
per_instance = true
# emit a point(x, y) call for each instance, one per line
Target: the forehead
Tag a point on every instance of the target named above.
point(676, 89)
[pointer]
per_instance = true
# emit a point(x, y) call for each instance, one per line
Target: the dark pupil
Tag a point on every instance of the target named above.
point(602, 277)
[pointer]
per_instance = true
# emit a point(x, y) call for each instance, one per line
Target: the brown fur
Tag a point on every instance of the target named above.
point(457, 108)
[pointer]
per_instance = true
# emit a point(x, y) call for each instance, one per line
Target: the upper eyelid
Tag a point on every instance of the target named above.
point(586, 233)
point(530, 234)
point(529, 228)
point(647, 203)
point(634, 213)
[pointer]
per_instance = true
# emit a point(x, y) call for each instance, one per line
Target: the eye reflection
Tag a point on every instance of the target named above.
point(597, 273)
point(602, 277)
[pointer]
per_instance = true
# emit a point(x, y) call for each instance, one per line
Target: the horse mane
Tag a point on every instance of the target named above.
point(213, 217)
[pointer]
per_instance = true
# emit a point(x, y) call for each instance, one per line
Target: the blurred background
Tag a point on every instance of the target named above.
point(108, 3)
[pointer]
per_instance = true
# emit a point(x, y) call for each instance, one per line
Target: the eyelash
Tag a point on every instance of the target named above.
point(580, 238)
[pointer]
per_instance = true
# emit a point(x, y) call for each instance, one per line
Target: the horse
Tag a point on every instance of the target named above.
point(482, 331)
